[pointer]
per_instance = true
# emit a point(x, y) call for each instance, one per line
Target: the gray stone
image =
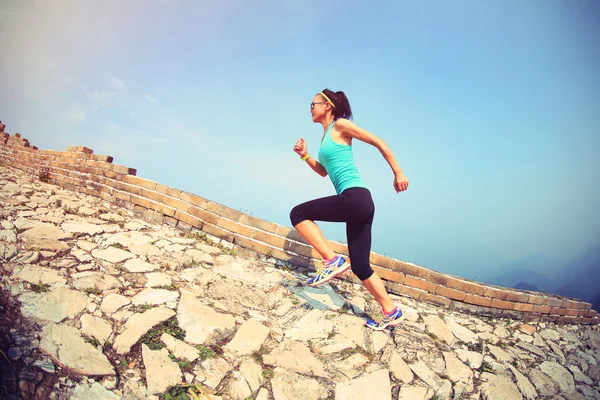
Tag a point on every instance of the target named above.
point(54, 306)
point(527, 389)
point(8, 236)
point(7, 251)
point(501, 332)
point(96, 327)
point(579, 376)
point(398, 367)
point(112, 254)
point(312, 326)
point(137, 265)
point(375, 385)
point(352, 366)
point(200, 321)
point(95, 280)
point(249, 338)
point(64, 344)
point(471, 358)
point(550, 334)
point(498, 387)
point(532, 349)
point(296, 357)
point(458, 373)
point(413, 393)
point(463, 334)
point(425, 374)
point(180, 349)
point(437, 327)
point(113, 302)
point(161, 372)
point(499, 354)
point(155, 296)
point(95, 391)
point(333, 345)
point(139, 324)
point(543, 383)
point(40, 275)
point(288, 385)
point(560, 375)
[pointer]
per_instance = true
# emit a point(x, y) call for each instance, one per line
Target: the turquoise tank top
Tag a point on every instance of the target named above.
point(339, 164)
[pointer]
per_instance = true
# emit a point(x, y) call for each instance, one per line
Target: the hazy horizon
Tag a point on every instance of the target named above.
point(490, 108)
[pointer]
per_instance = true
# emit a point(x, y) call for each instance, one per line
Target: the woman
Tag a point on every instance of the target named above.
point(352, 204)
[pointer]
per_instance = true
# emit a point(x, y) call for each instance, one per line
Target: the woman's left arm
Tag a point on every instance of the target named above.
point(350, 129)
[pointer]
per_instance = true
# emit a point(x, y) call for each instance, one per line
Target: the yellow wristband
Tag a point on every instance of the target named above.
point(306, 157)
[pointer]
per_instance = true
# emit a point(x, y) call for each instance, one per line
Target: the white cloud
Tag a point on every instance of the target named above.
point(117, 84)
point(150, 98)
point(76, 114)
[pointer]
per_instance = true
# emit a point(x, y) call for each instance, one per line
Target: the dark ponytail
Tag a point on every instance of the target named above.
point(342, 105)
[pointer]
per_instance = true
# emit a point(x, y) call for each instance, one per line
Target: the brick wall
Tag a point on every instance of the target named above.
point(80, 170)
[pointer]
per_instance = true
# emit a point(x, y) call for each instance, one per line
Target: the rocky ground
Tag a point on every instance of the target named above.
point(99, 304)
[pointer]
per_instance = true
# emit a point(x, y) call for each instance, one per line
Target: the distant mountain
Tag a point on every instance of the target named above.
point(582, 276)
point(526, 286)
point(525, 270)
point(596, 302)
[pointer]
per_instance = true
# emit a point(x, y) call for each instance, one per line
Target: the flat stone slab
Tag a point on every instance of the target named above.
point(525, 387)
point(158, 279)
point(40, 275)
point(249, 338)
point(200, 321)
point(437, 327)
point(139, 324)
point(161, 372)
point(471, 358)
point(560, 375)
point(82, 228)
point(138, 265)
point(288, 385)
point(66, 346)
point(112, 254)
point(212, 371)
point(95, 327)
point(375, 385)
point(463, 334)
point(313, 325)
point(95, 391)
point(54, 306)
point(95, 280)
point(413, 393)
point(296, 357)
point(155, 296)
point(113, 302)
point(425, 374)
point(497, 387)
point(178, 348)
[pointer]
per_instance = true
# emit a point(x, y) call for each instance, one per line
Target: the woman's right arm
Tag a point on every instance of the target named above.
point(301, 150)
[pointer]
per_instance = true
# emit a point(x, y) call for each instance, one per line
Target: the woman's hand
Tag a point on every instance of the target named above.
point(300, 147)
point(400, 182)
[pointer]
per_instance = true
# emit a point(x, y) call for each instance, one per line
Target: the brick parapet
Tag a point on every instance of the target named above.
point(79, 169)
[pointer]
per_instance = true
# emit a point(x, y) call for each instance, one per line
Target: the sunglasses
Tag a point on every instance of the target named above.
point(312, 105)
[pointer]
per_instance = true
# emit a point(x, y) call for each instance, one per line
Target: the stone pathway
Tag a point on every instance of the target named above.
point(99, 304)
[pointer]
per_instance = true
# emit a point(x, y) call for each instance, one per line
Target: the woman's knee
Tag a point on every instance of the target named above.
point(297, 215)
point(362, 271)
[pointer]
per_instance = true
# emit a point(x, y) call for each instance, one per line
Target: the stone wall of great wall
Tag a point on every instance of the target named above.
point(79, 169)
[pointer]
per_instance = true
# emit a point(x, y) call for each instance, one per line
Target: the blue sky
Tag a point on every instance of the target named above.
point(491, 108)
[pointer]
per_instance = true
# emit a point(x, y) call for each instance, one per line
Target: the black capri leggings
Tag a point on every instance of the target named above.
point(353, 206)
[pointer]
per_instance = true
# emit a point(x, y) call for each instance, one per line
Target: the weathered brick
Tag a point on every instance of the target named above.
point(572, 304)
point(291, 234)
point(338, 248)
point(189, 219)
point(440, 279)
point(119, 169)
point(204, 216)
point(218, 232)
point(591, 313)
point(518, 297)
point(525, 307)
point(234, 227)
point(536, 299)
point(419, 283)
point(495, 293)
point(505, 305)
point(398, 288)
point(470, 287)
point(432, 298)
point(450, 293)
point(541, 309)
point(285, 256)
point(161, 208)
point(302, 249)
point(258, 223)
point(223, 211)
point(144, 183)
point(553, 302)
point(194, 200)
point(140, 201)
point(251, 244)
point(152, 195)
point(382, 261)
point(571, 312)
point(136, 190)
point(587, 306)
point(557, 311)
point(175, 203)
point(122, 196)
point(410, 269)
point(581, 313)
point(478, 300)
point(273, 240)
point(106, 159)
point(110, 174)
point(389, 275)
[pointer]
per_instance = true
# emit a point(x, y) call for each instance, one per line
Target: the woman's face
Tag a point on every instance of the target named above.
point(318, 108)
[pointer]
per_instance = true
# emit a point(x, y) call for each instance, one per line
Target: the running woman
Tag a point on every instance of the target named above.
point(352, 204)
